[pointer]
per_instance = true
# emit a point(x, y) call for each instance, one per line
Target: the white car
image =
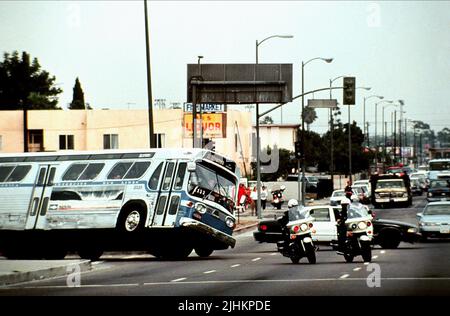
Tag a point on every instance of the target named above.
point(325, 229)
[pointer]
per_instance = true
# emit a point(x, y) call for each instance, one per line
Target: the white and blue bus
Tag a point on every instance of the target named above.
point(165, 201)
point(437, 167)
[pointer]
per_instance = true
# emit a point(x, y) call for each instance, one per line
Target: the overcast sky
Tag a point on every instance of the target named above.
point(400, 49)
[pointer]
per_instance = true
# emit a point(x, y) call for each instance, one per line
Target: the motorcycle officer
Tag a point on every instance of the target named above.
point(290, 213)
point(340, 223)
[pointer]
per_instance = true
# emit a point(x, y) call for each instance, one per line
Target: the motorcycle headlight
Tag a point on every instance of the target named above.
point(430, 194)
point(304, 227)
point(354, 226)
point(200, 208)
point(362, 225)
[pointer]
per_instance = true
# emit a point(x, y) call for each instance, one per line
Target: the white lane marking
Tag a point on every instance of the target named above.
point(344, 276)
point(274, 254)
point(256, 259)
point(178, 280)
point(222, 281)
point(357, 269)
point(374, 257)
point(210, 271)
point(96, 262)
point(235, 265)
point(366, 263)
point(382, 251)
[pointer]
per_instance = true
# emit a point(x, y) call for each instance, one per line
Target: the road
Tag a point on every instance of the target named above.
point(256, 269)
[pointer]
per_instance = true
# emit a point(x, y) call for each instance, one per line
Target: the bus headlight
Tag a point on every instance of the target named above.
point(229, 222)
point(200, 208)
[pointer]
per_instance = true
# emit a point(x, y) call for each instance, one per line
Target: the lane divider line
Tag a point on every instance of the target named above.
point(210, 271)
point(344, 276)
point(357, 269)
point(374, 257)
point(235, 265)
point(382, 252)
point(256, 259)
point(178, 280)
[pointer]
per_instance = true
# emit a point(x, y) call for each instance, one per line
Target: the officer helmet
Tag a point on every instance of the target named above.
point(292, 203)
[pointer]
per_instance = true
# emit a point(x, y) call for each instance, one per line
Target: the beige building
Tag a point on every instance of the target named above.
point(53, 130)
point(282, 135)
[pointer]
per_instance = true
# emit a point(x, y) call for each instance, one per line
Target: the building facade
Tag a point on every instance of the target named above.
point(55, 130)
point(281, 135)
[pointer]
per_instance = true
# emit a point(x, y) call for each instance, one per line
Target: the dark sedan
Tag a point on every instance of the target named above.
point(438, 190)
point(387, 233)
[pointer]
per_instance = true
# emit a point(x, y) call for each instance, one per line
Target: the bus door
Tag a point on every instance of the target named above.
point(170, 193)
point(41, 196)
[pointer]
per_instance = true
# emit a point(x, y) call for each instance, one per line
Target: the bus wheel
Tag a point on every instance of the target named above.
point(203, 251)
point(131, 219)
point(180, 253)
point(90, 254)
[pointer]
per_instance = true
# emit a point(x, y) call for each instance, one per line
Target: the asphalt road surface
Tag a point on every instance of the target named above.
point(256, 269)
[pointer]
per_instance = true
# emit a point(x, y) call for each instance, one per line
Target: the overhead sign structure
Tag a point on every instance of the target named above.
point(214, 125)
point(206, 108)
point(239, 83)
point(322, 103)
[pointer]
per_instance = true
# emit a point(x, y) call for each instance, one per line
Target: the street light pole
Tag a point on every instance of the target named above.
point(258, 144)
point(303, 189)
point(376, 123)
point(366, 130)
point(384, 132)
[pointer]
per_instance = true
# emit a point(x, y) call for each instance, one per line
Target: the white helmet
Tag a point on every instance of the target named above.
point(282, 188)
point(354, 199)
point(292, 203)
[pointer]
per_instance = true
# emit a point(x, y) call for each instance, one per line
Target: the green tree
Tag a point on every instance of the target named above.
point(78, 97)
point(444, 137)
point(314, 148)
point(309, 115)
point(23, 84)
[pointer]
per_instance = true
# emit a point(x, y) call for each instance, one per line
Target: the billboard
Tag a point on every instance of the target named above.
point(214, 125)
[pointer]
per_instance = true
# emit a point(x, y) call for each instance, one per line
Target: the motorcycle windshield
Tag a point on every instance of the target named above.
point(356, 211)
point(297, 213)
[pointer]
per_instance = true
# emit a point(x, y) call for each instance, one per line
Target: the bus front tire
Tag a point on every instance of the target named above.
point(131, 219)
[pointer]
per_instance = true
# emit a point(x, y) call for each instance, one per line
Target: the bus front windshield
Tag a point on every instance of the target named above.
point(213, 185)
point(439, 165)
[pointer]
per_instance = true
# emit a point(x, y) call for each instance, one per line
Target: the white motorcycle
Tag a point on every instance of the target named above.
point(298, 242)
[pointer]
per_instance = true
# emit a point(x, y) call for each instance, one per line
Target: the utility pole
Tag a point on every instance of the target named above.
point(149, 82)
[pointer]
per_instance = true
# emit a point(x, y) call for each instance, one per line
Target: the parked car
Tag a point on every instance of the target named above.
point(434, 221)
point(387, 233)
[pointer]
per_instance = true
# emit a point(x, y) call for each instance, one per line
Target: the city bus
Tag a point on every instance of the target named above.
point(438, 166)
point(164, 201)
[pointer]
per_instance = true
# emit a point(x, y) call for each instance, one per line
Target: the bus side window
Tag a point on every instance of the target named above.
point(4, 172)
point(18, 174)
point(119, 170)
point(154, 180)
point(168, 176)
point(92, 171)
point(74, 172)
point(180, 176)
point(137, 170)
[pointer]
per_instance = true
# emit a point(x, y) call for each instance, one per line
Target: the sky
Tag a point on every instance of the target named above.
point(401, 49)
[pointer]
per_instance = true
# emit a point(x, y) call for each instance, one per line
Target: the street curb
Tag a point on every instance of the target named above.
point(245, 229)
point(45, 273)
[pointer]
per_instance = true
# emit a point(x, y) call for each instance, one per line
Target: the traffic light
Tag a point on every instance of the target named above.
point(349, 91)
point(298, 149)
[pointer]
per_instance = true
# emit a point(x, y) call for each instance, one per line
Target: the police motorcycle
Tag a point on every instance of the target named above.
point(277, 197)
point(356, 233)
point(296, 225)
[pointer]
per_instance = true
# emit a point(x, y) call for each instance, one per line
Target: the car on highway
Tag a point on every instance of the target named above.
point(416, 188)
point(387, 233)
point(437, 190)
point(434, 220)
